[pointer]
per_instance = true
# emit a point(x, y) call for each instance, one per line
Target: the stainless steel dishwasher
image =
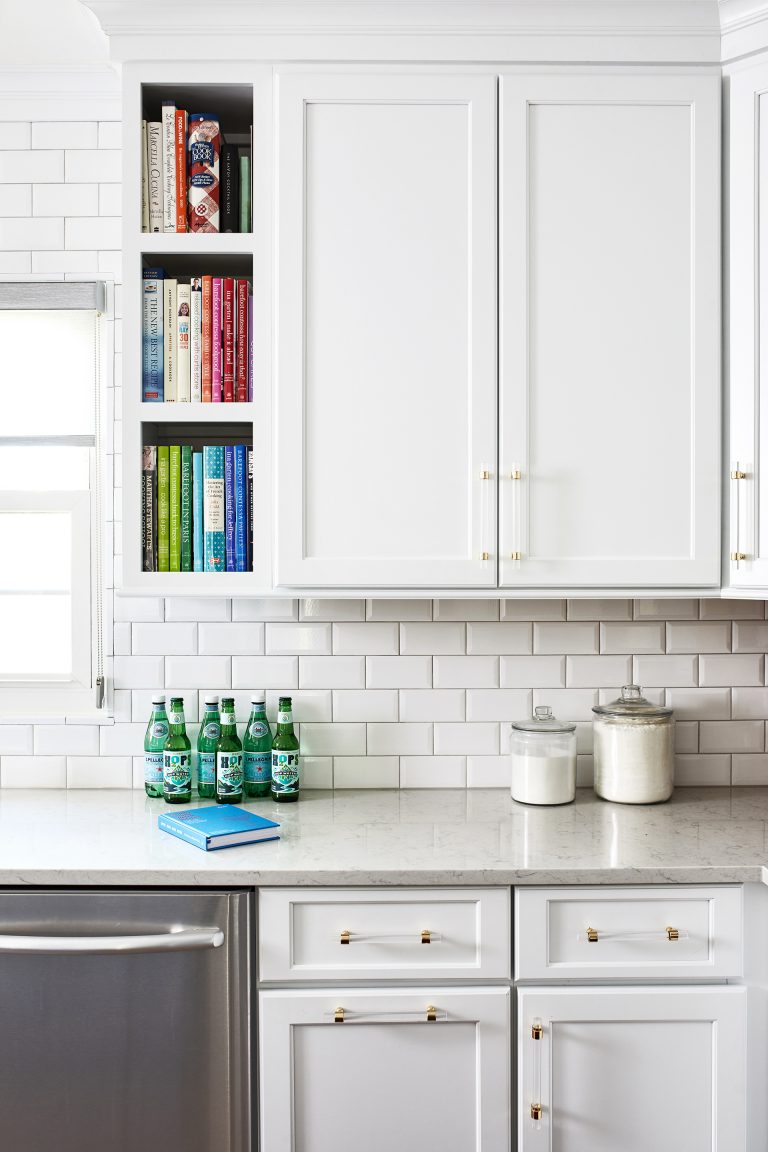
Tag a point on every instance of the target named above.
point(125, 1021)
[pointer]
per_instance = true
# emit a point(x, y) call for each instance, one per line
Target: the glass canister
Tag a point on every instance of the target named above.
point(543, 754)
point(634, 749)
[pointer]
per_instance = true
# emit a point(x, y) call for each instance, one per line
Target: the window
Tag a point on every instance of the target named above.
point(53, 368)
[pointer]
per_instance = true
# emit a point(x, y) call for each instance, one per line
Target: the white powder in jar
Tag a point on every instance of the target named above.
point(634, 762)
point(543, 779)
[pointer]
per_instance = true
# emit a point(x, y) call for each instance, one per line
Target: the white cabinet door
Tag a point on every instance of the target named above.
point(746, 562)
point(610, 330)
point(385, 1078)
point(632, 1069)
point(386, 330)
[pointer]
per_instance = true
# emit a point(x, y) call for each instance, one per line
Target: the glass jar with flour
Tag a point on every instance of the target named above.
point(634, 749)
point(543, 755)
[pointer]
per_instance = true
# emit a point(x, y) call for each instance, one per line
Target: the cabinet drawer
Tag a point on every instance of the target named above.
point(628, 933)
point(396, 934)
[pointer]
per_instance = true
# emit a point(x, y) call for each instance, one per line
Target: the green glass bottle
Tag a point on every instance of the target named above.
point(177, 758)
point(207, 739)
point(285, 756)
point(257, 750)
point(154, 743)
point(229, 757)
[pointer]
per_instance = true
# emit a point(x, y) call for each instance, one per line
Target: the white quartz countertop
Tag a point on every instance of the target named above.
point(703, 835)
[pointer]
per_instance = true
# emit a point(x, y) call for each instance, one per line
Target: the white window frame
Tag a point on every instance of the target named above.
point(82, 691)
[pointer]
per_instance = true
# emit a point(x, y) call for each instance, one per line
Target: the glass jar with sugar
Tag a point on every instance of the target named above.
point(543, 755)
point(634, 749)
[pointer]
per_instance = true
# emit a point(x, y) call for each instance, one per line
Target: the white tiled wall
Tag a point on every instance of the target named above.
point(415, 693)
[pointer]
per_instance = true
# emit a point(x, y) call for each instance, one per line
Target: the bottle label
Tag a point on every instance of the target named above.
point(177, 772)
point(206, 768)
point(159, 730)
point(176, 717)
point(285, 771)
point(285, 717)
point(153, 767)
point(229, 773)
point(258, 729)
point(257, 767)
point(212, 730)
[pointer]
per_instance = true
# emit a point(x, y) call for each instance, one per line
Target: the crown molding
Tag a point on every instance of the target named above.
point(744, 26)
point(525, 30)
point(63, 92)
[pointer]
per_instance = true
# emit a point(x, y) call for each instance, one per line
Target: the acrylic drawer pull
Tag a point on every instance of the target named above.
point(592, 936)
point(430, 1014)
point(537, 1033)
point(426, 936)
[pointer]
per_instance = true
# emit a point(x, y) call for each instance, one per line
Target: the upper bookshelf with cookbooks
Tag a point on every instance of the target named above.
point(196, 162)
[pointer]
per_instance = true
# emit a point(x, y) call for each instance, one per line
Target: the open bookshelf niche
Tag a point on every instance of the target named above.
point(197, 152)
point(196, 498)
point(197, 330)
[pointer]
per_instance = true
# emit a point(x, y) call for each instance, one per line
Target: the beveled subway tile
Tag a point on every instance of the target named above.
point(567, 703)
point(671, 608)
point(748, 768)
point(465, 739)
point(366, 639)
point(533, 671)
point(366, 771)
point(298, 640)
point(398, 610)
point(633, 639)
point(731, 736)
point(432, 639)
point(750, 636)
point(466, 672)
point(597, 671)
point(499, 704)
point(702, 770)
point(465, 610)
point(502, 639)
point(731, 609)
point(398, 672)
point(666, 671)
point(331, 610)
point(533, 609)
point(745, 670)
point(433, 771)
point(605, 609)
point(366, 704)
point(750, 703)
point(700, 703)
point(704, 636)
point(565, 639)
point(433, 704)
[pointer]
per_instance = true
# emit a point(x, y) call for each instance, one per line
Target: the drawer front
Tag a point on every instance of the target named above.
point(628, 933)
point(393, 933)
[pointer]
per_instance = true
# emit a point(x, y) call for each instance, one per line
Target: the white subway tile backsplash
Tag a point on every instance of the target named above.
point(313, 706)
point(62, 263)
point(198, 671)
point(467, 739)
point(687, 736)
point(32, 234)
point(121, 639)
point(139, 671)
point(33, 772)
point(400, 739)
point(334, 739)
point(702, 770)
point(260, 671)
point(99, 772)
point(229, 639)
point(66, 200)
point(489, 772)
point(709, 636)
point(333, 610)
point(16, 739)
point(532, 610)
point(15, 200)
point(64, 134)
point(508, 704)
point(666, 671)
point(432, 704)
point(372, 704)
point(332, 672)
point(298, 639)
point(433, 639)
point(141, 702)
point(585, 771)
point(92, 166)
point(69, 739)
point(731, 736)
point(732, 609)
point(670, 609)
point(397, 672)
point(366, 772)
point(433, 772)
point(533, 671)
point(700, 703)
point(398, 610)
point(464, 671)
point(464, 610)
point(633, 639)
point(123, 739)
point(567, 703)
point(22, 167)
point(366, 639)
point(597, 671)
point(749, 769)
point(91, 232)
point(110, 134)
point(316, 772)
point(750, 636)
point(15, 136)
point(746, 670)
point(147, 609)
point(568, 639)
point(277, 609)
point(164, 639)
point(599, 609)
point(179, 609)
point(110, 200)
point(750, 704)
point(502, 639)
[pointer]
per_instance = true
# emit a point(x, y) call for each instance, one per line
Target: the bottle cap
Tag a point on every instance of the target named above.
point(285, 700)
point(158, 699)
point(258, 698)
point(177, 702)
point(212, 700)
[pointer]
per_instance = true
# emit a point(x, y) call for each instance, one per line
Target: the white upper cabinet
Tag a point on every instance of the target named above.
point(609, 329)
point(386, 329)
point(746, 566)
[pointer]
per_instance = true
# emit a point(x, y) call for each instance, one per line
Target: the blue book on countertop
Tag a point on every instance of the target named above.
point(241, 504)
point(197, 512)
point(229, 505)
point(218, 827)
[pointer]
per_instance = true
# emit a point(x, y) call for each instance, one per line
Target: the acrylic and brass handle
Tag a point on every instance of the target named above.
point(537, 1034)
point(430, 1014)
point(738, 495)
point(426, 936)
point(669, 933)
point(486, 517)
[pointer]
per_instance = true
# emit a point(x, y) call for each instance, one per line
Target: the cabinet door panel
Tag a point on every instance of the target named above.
point(632, 1069)
point(610, 321)
point(385, 1078)
point(386, 390)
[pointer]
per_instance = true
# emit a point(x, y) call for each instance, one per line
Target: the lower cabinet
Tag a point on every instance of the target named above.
point(379, 1069)
point(632, 1069)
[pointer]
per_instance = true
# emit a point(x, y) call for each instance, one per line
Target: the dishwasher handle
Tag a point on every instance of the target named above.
point(175, 940)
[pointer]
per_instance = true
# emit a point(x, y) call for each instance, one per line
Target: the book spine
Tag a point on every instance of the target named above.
point(183, 832)
point(249, 537)
point(155, 174)
point(230, 203)
point(228, 321)
point(196, 340)
point(183, 367)
point(245, 192)
point(186, 508)
point(174, 531)
point(144, 179)
point(241, 505)
point(163, 509)
point(203, 165)
point(216, 342)
point(250, 347)
point(241, 358)
point(170, 329)
point(198, 555)
point(229, 506)
point(169, 166)
point(152, 335)
point(207, 321)
point(180, 157)
point(213, 507)
point(149, 507)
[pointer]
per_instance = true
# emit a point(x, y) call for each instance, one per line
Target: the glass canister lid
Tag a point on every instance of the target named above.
point(542, 721)
point(632, 703)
